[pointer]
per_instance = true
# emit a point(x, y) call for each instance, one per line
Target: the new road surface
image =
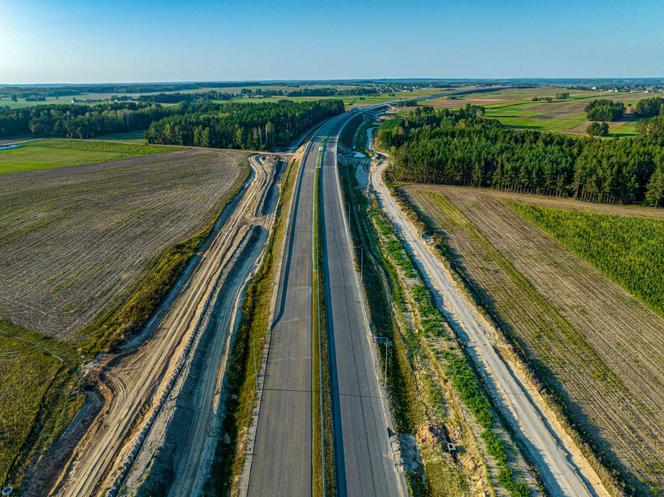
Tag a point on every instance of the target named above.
point(364, 462)
point(281, 464)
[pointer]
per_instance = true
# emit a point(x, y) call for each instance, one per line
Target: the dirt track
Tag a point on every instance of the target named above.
point(562, 468)
point(201, 407)
point(604, 346)
point(140, 382)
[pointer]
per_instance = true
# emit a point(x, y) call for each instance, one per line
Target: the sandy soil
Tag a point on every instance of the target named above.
point(141, 381)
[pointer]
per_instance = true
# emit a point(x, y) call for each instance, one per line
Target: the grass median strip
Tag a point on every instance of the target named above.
point(323, 469)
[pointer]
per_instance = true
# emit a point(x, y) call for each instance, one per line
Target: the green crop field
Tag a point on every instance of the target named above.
point(627, 249)
point(516, 108)
point(595, 347)
point(56, 153)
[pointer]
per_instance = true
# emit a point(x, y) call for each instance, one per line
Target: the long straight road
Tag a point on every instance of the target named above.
point(364, 463)
point(281, 462)
point(281, 459)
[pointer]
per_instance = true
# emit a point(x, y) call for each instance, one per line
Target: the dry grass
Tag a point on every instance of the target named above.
point(598, 345)
point(74, 240)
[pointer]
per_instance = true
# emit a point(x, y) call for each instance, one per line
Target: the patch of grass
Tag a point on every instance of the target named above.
point(628, 249)
point(323, 468)
point(54, 153)
point(36, 399)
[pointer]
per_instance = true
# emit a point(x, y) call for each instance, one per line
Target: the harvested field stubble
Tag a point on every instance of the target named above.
point(596, 346)
point(73, 241)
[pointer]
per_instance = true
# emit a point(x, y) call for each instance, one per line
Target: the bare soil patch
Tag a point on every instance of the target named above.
point(74, 240)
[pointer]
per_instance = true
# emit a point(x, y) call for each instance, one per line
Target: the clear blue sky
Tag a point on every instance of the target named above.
point(191, 40)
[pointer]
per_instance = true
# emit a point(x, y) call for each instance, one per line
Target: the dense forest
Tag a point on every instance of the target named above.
point(605, 110)
point(234, 125)
point(248, 126)
point(649, 107)
point(463, 147)
point(80, 121)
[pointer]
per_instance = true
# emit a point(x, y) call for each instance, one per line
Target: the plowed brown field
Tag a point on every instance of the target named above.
point(73, 240)
point(601, 345)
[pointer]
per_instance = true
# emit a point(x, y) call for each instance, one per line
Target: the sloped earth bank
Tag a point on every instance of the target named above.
point(179, 450)
point(138, 382)
point(604, 347)
point(562, 468)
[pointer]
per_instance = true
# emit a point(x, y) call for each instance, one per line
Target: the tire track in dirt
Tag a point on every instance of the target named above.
point(140, 381)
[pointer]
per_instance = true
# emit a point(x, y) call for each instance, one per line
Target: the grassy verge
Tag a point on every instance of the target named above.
point(241, 392)
point(37, 398)
point(452, 365)
point(609, 470)
point(421, 399)
point(126, 318)
point(54, 153)
point(323, 469)
point(360, 139)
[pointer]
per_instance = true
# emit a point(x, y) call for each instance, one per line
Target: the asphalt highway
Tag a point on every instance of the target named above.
point(281, 462)
point(364, 463)
point(281, 458)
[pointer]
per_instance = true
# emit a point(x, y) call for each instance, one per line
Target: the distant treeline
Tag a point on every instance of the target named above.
point(248, 126)
point(80, 121)
point(608, 110)
point(463, 147)
point(232, 125)
point(23, 91)
point(195, 91)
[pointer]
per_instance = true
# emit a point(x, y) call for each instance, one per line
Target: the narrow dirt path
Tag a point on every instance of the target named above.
point(562, 468)
point(141, 382)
